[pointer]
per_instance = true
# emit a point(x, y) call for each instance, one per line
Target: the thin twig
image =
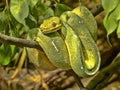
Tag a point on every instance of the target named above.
point(100, 80)
point(30, 43)
point(77, 79)
point(20, 64)
point(18, 41)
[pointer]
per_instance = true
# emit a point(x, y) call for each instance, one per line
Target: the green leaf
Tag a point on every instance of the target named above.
point(13, 47)
point(110, 23)
point(3, 21)
point(118, 18)
point(42, 7)
point(47, 3)
point(31, 21)
point(60, 8)
point(5, 54)
point(32, 3)
point(118, 30)
point(19, 9)
point(42, 11)
point(32, 33)
point(109, 5)
point(47, 13)
point(111, 20)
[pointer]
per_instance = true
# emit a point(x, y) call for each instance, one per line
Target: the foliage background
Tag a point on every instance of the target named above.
point(19, 18)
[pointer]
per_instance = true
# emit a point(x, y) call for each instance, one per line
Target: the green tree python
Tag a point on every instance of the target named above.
point(69, 41)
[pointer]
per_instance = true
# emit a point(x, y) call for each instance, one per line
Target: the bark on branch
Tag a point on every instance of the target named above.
point(18, 41)
point(30, 43)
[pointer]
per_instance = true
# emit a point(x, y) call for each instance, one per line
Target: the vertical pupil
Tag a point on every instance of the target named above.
point(53, 24)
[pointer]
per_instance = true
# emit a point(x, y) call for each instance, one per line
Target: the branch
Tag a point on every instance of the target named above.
point(19, 42)
point(33, 44)
point(103, 77)
point(77, 79)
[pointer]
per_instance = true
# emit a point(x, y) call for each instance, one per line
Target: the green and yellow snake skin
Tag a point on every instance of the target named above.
point(74, 45)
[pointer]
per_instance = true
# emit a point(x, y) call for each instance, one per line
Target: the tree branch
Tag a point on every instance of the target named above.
point(19, 42)
point(33, 44)
point(103, 77)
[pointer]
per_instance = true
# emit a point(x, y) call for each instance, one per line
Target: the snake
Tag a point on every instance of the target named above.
point(69, 41)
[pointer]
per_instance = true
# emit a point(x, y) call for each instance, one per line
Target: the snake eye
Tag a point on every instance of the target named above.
point(53, 24)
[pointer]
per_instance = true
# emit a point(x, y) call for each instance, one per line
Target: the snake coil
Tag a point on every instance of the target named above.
point(73, 47)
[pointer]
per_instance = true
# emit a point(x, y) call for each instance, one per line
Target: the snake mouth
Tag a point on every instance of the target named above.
point(45, 30)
